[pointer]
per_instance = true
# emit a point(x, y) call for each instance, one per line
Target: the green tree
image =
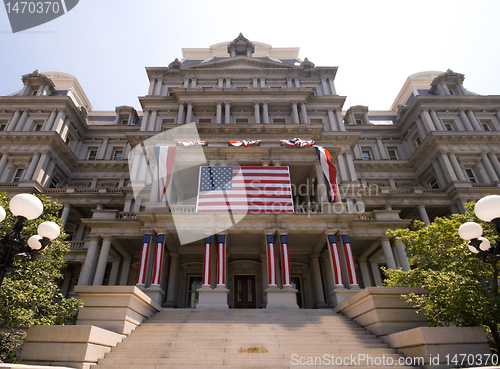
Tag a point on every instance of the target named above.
point(30, 295)
point(460, 285)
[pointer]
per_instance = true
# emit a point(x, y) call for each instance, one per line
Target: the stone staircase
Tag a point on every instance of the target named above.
point(189, 338)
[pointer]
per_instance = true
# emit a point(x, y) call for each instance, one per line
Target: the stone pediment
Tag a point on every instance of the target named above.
point(240, 62)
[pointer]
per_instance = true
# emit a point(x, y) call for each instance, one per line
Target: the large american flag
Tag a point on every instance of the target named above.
point(244, 189)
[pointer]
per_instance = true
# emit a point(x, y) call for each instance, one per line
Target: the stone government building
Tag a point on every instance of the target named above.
point(434, 150)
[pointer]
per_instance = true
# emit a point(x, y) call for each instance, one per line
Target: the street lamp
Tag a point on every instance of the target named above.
point(12, 245)
point(487, 209)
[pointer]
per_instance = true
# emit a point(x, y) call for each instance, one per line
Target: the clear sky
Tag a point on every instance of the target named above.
point(107, 44)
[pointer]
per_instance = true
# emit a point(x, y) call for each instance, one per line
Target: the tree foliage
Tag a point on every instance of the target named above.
point(30, 295)
point(459, 284)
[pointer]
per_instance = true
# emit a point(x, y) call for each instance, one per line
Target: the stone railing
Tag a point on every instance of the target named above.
point(77, 245)
point(483, 185)
point(127, 215)
point(183, 208)
point(364, 216)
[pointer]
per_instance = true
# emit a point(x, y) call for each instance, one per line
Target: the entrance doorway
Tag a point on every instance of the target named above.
point(244, 292)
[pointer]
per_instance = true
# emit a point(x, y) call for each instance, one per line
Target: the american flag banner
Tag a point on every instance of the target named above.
point(271, 262)
point(298, 142)
point(141, 276)
point(165, 157)
point(329, 170)
point(251, 189)
point(192, 143)
point(335, 259)
point(158, 263)
point(244, 143)
point(351, 269)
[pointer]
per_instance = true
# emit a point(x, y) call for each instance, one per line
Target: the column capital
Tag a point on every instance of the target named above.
point(277, 163)
point(227, 102)
point(161, 231)
point(269, 231)
point(225, 233)
point(107, 238)
point(283, 232)
point(386, 238)
point(314, 256)
point(173, 255)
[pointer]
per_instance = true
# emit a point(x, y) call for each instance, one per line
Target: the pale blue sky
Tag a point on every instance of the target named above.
point(376, 44)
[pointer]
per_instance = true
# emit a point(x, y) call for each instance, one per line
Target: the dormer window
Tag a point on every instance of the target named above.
point(433, 183)
point(117, 154)
point(34, 93)
point(486, 127)
point(124, 121)
point(359, 121)
point(448, 126)
point(367, 154)
point(418, 141)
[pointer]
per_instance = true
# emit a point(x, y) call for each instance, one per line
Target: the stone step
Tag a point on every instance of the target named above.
point(296, 345)
point(247, 366)
point(236, 333)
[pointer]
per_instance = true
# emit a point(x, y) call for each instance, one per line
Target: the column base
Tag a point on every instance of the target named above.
point(155, 293)
point(212, 298)
point(281, 298)
point(339, 295)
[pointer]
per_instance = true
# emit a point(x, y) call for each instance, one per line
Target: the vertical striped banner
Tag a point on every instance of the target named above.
point(335, 260)
point(141, 276)
point(221, 267)
point(160, 243)
point(271, 260)
point(353, 281)
point(285, 262)
point(207, 261)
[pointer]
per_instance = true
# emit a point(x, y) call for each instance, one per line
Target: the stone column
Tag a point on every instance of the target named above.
point(143, 264)
point(365, 272)
point(265, 284)
point(382, 149)
point(320, 298)
point(113, 275)
point(376, 273)
point(31, 168)
point(303, 113)
point(22, 120)
point(158, 261)
point(207, 262)
point(172, 279)
point(59, 121)
point(285, 262)
point(180, 116)
point(494, 161)
point(325, 86)
point(65, 214)
point(145, 120)
point(423, 214)
point(227, 113)
point(331, 119)
point(221, 260)
point(102, 262)
point(473, 120)
point(218, 118)
point(332, 86)
point(351, 269)
point(271, 260)
point(50, 120)
point(265, 112)
point(13, 122)
point(447, 168)
point(88, 264)
point(465, 121)
point(389, 257)
point(489, 168)
point(152, 120)
point(189, 113)
point(254, 83)
point(350, 164)
point(4, 161)
point(256, 113)
point(158, 87)
point(437, 122)
point(340, 120)
point(151, 86)
point(342, 167)
point(41, 168)
point(456, 166)
point(426, 118)
point(125, 272)
point(403, 259)
point(295, 113)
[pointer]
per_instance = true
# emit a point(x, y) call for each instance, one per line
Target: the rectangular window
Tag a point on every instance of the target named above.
point(193, 295)
point(124, 121)
point(448, 126)
point(393, 154)
point(117, 154)
point(367, 154)
point(2, 127)
point(68, 141)
point(471, 175)
point(433, 183)
point(418, 141)
point(297, 284)
point(38, 127)
point(92, 154)
point(486, 127)
point(53, 183)
point(18, 175)
point(359, 121)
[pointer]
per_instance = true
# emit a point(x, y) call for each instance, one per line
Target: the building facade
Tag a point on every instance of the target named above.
point(434, 150)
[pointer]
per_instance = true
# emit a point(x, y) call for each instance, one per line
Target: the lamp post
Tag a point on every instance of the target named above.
point(487, 209)
point(12, 245)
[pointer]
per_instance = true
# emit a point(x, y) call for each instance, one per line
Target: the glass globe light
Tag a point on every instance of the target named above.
point(485, 244)
point(488, 208)
point(2, 213)
point(34, 242)
point(26, 205)
point(470, 230)
point(49, 230)
point(473, 249)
